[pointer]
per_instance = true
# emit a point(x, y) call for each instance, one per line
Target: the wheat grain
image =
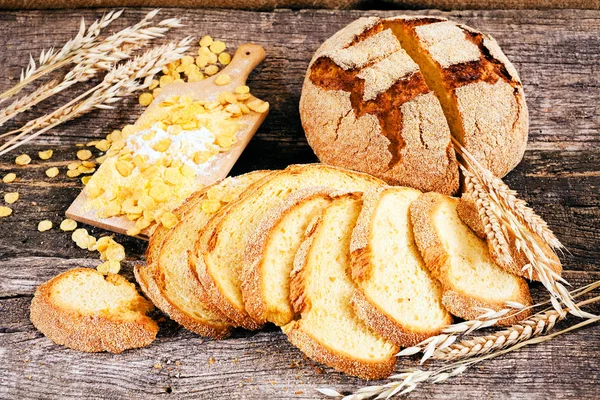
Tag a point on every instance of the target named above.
point(125, 79)
point(26, 102)
point(49, 60)
point(102, 56)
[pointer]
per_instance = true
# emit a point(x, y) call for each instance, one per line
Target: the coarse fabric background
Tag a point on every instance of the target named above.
point(298, 4)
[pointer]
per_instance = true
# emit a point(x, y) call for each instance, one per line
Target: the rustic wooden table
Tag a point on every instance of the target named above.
point(557, 54)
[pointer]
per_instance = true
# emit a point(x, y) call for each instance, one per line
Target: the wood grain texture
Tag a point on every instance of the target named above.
point(556, 53)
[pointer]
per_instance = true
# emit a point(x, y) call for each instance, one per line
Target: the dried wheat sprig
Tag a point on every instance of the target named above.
point(435, 345)
point(134, 75)
point(102, 56)
point(50, 59)
point(409, 380)
point(24, 103)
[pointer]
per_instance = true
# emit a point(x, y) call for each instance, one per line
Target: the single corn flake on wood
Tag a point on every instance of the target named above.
point(86, 311)
point(328, 330)
point(395, 294)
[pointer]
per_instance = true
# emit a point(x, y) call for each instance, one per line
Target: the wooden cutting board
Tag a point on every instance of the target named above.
point(246, 58)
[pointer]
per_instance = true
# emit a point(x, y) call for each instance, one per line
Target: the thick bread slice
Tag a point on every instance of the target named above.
point(467, 211)
point(173, 276)
point(270, 255)
point(395, 294)
point(169, 282)
point(328, 330)
point(221, 246)
point(461, 261)
point(479, 89)
point(86, 311)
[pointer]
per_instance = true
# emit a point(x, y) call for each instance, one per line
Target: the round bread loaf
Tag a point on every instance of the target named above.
point(384, 96)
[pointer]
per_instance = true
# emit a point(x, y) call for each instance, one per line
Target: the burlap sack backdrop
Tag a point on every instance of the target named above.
point(297, 4)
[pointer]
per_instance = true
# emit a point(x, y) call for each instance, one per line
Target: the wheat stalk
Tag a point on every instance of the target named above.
point(24, 103)
point(407, 381)
point(134, 75)
point(101, 56)
point(49, 59)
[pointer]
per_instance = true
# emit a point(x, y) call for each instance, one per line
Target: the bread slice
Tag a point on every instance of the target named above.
point(395, 294)
point(270, 255)
point(169, 282)
point(461, 261)
point(219, 261)
point(328, 330)
point(479, 89)
point(467, 211)
point(174, 278)
point(86, 311)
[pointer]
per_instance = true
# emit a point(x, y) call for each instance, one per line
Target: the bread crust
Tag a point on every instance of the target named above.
point(436, 259)
point(467, 211)
point(89, 333)
point(252, 281)
point(318, 352)
point(380, 120)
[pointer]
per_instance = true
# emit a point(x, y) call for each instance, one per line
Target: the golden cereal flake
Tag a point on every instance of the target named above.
point(73, 173)
point(109, 267)
point(104, 144)
point(23, 159)
point(68, 225)
point(9, 178)
point(217, 47)
point(52, 172)
point(211, 206)
point(206, 41)
point(224, 58)
point(168, 219)
point(44, 225)
point(45, 155)
point(86, 179)
point(145, 99)
point(11, 197)
point(5, 211)
point(211, 70)
point(242, 89)
point(84, 154)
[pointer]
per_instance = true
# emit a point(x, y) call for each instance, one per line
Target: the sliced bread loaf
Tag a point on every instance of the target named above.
point(219, 261)
point(86, 311)
point(467, 211)
point(174, 278)
point(395, 294)
point(328, 330)
point(270, 255)
point(461, 261)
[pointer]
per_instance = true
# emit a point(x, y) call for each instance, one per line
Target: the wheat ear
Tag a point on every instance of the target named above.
point(49, 59)
point(407, 381)
point(102, 56)
point(134, 75)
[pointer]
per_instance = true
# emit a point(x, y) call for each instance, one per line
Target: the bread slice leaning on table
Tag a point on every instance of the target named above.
point(328, 330)
point(169, 281)
point(395, 293)
point(467, 211)
point(461, 261)
point(270, 255)
point(86, 311)
point(219, 252)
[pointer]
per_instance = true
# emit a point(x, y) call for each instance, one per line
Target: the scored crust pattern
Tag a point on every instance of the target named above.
point(366, 105)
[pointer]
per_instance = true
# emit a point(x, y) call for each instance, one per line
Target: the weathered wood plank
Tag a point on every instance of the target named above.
point(556, 53)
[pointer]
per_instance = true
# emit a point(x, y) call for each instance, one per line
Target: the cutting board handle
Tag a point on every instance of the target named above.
point(245, 59)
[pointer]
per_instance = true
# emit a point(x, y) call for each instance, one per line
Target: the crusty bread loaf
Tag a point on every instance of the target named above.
point(270, 255)
point(395, 294)
point(478, 88)
point(328, 330)
point(171, 284)
point(366, 106)
point(467, 211)
point(384, 96)
point(461, 261)
point(86, 311)
point(219, 251)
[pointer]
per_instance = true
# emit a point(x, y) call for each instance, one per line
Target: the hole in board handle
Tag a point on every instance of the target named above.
point(247, 53)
